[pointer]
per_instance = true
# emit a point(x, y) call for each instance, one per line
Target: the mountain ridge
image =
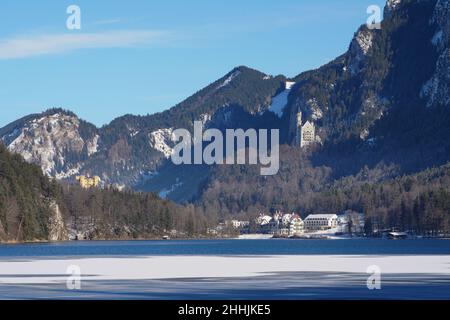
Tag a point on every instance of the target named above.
point(365, 105)
point(107, 150)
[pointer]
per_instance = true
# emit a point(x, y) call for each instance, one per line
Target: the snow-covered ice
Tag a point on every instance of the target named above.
point(35, 271)
point(228, 277)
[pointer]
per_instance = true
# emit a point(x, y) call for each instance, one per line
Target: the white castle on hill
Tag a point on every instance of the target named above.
point(306, 133)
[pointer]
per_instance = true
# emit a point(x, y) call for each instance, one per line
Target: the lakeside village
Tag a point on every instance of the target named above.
point(348, 224)
point(291, 225)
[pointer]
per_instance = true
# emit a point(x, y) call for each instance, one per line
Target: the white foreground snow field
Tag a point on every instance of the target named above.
point(43, 271)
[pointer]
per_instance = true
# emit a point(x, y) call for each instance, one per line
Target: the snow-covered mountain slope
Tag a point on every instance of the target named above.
point(56, 140)
point(162, 141)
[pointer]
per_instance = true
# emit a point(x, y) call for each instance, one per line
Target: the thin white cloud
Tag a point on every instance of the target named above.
point(107, 21)
point(45, 44)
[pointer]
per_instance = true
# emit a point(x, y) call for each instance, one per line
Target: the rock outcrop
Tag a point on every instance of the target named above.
point(56, 226)
point(437, 89)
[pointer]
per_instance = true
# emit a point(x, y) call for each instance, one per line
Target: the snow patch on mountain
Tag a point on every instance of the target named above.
point(134, 133)
point(279, 102)
point(68, 173)
point(162, 141)
point(230, 78)
point(92, 146)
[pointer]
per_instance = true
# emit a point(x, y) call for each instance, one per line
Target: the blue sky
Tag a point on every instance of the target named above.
point(144, 56)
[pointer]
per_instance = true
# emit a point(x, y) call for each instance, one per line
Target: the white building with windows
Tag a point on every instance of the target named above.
point(297, 226)
point(317, 222)
point(306, 133)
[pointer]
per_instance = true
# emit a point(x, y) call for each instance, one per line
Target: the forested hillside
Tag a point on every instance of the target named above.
point(112, 214)
point(36, 208)
point(416, 202)
point(25, 199)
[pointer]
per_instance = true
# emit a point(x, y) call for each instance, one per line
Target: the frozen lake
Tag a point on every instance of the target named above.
point(227, 269)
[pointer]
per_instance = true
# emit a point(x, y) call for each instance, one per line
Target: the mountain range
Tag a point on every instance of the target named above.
point(381, 111)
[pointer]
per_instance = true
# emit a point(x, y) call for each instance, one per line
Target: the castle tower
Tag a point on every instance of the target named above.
point(298, 134)
point(305, 133)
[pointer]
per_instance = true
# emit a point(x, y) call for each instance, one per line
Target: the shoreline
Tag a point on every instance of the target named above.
point(255, 236)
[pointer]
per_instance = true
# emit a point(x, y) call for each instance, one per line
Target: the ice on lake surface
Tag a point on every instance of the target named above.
point(223, 271)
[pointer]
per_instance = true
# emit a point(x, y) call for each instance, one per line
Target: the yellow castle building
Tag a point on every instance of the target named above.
point(87, 182)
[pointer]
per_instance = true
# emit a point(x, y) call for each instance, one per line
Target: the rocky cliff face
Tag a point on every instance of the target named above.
point(359, 49)
point(52, 140)
point(379, 73)
point(437, 89)
point(57, 230)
